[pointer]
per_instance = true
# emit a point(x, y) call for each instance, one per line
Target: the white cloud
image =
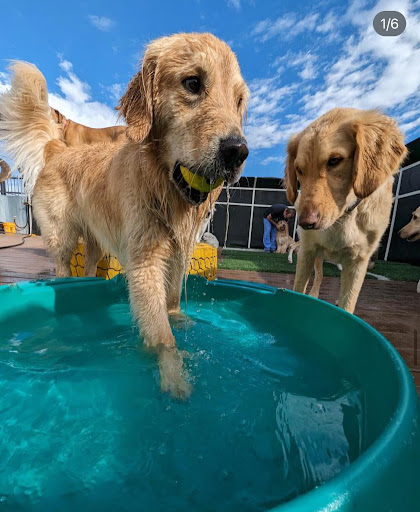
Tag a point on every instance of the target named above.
point(72, 87)
point(4, 82)
point(101, 22)
point(268, 100)
point(76, 103)
point(307, 61)
point(235, 4)
point(74, 99)
point(271, 159)
point(327, 24)
point(406, 127)
point(290, 25)
point(115, 91)
point(364, 71)
point(373, 71)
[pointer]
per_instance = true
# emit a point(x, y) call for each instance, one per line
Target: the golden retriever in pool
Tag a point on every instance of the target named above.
point(145, 199)
point(344, 162)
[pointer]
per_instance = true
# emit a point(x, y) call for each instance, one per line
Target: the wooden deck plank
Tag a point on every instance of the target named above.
point(391, 307)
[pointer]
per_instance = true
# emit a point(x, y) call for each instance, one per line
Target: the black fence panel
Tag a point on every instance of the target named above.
point(410, 180)
point(238, 225)
point(236, 196)
point(251, 197)
point(269, 197)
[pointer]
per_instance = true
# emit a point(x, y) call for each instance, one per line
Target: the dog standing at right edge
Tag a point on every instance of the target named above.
point(344, 162)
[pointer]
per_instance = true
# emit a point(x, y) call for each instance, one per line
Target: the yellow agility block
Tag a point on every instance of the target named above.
point(9, 228)
point(108, 266)
point(203, 262)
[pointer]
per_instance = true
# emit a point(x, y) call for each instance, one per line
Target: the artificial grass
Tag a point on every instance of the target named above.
point(278, 264)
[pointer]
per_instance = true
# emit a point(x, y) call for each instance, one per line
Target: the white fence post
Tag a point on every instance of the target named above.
point(252, 214)
point(394, 214)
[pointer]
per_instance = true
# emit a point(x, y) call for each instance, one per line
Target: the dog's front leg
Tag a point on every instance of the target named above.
point(304, 267)
point(319, 275)
point(176, 271)
point(352, 277)
point(146, 281)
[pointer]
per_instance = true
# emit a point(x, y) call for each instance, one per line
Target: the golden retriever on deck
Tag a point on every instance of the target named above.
point(142, 200)
point(283, 240)
point(344, 162)
point(75, 134)
point(411, 232)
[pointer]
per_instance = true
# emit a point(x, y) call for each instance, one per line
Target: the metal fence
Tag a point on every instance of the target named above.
point(406, 200)
point(12, 187)
point(237, 222)
point(239, 212)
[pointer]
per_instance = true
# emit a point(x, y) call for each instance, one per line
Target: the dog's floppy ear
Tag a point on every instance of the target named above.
point(290, 178)
point(57, 115)
point(137, 103)
point(380, 151)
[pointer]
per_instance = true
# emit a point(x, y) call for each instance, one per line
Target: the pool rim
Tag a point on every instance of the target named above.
point(406, 407)
point(405, 410)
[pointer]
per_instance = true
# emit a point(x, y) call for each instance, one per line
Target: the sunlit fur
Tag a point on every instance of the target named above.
point(411, 230)
point(26, 125)
point(372, 150)
point(75, 134)
point(5, 171)
point(122, 194)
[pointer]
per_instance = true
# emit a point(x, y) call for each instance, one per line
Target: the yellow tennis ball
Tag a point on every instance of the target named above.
point(199, 183)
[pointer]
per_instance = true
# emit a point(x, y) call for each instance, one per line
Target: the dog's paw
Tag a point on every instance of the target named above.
point(179, 321)
point(173, 376)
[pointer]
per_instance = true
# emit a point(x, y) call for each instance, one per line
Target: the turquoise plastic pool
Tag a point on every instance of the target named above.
point(297, 406)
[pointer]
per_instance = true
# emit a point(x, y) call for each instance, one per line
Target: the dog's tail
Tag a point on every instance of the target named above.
point(26, 124)
point(5, 171)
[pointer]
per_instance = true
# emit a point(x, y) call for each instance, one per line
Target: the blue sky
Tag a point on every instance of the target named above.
point(299, 58)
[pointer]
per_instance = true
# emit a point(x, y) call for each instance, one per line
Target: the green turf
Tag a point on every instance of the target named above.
point(277, 263)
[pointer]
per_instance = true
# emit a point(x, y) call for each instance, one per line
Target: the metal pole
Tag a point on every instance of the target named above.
point(251, 219)
point(295, 226)
point(394, 214)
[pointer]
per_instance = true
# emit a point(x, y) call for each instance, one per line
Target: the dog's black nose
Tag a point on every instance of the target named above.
point(233, 152)
point(309, 219)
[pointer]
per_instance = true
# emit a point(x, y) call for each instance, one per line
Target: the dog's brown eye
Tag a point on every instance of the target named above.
point(299, 171)
point(239, 103)
point(192, 84)
point(333, 161)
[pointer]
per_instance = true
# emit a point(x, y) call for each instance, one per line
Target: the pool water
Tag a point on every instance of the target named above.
point(83, 425)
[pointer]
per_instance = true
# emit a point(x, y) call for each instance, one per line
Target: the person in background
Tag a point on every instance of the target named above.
point(272, 215)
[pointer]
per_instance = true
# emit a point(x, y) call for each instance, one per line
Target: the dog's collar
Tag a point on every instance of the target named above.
point(354, 205)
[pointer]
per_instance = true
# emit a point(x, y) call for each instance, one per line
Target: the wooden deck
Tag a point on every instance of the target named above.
point(392, 307)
